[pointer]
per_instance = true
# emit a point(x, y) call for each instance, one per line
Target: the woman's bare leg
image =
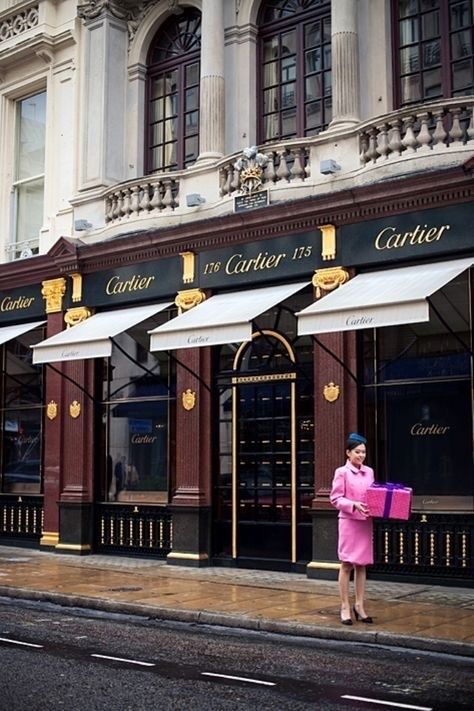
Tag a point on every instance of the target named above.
point(344, 577)
point(360, 576)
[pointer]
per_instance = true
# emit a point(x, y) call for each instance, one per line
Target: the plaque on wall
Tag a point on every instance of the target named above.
point(250, 202)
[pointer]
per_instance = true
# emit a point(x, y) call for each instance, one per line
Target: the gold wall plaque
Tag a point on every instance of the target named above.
point(189, 260)
point(328, 246)
point(331, 392)
point(75, 409)
point(186, 300)
point(52, 409)
point(77, 315)
point(53, 291)
point(329, 279)
point(188, 399)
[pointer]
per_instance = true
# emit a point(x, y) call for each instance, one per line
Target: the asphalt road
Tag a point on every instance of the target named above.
point(54, 658)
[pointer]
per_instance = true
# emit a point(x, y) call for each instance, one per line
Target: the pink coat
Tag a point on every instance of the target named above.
point(350, 484)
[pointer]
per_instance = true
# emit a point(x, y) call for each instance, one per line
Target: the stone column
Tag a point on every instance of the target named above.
point(103, 105)
point(345, 64)
point(212, 108)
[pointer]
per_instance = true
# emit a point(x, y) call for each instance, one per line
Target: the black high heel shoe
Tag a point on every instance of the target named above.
point(346, 621)
point(367, 620)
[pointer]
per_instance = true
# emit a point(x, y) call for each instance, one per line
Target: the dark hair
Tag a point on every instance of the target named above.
point(354, 439)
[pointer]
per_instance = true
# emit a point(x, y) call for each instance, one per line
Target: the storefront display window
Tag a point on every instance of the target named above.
point(22, 416)
point(418, 401)
point(138, 411)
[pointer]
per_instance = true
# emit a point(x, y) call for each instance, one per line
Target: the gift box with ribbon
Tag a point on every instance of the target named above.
point(389, 501)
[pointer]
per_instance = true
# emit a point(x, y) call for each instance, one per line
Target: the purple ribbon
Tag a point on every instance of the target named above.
point(388, 499)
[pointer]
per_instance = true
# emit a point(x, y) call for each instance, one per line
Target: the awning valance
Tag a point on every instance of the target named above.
point(384, 298)
point(92, 338)
point(224, 318)
point(8, 333)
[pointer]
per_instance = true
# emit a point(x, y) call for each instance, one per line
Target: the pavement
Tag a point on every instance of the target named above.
point(423, 617)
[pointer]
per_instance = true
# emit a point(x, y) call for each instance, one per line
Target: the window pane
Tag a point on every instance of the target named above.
point(461, 44)
point(327, 83)
point(23, 380)
point(157, 88)
point(313, 60)
point(192, 99)
point(288, 122)
point(460, 15)
point(430, 25)
point(191, 123)
point(409, 61)
point(327, 56)
point(270, 100)
point(328, 110)
point(432, 84)
point(156, 159)
point(31, 136)
point(288, 43)
point(431, 54)
point(192, 74)
point(157, 110)
point(22, 451)
point(327, 29)
point(312, 34)
point(407, 8)
point(270, 74)
point(313, 115)
point(288, 69)
point(410, 87)
point(270, 49)
point(463, 75)
point(29, 205)
point(156, 134)
point(313, 87)
point(409, 31)
point(171, 82)
point(169, 151)
point(191, 149)
point(270, 127)
point(288, 95)
point(170, 129)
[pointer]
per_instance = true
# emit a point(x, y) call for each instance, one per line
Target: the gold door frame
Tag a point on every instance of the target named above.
point(236, 380)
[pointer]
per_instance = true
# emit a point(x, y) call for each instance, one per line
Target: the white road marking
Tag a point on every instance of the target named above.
point(127, 661)
point(387, 703)
point(24, 644)
point(239, 678)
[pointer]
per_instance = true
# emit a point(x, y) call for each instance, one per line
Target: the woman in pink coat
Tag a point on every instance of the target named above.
point(355, 540)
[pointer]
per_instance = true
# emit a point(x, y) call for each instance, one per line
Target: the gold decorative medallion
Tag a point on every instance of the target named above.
point(52, 410)
point(53, 291)
point(329, 279)
point(186, 300)
point(75, 409)
point(77, 315)
point(189, 399)
point(331, 392)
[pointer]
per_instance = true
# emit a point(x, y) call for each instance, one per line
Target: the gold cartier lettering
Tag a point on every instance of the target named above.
point(135, 283)
point(237, 265)
point(22, 302)
point(389, 238)
point(420, 430)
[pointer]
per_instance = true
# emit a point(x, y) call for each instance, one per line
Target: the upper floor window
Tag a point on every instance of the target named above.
point(295, 68)
point(28, 185)
point(173, 94)
point(434, 41)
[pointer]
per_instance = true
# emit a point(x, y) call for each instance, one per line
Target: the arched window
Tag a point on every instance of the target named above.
point(295, 68)
point(173, 94)
point(434, 49)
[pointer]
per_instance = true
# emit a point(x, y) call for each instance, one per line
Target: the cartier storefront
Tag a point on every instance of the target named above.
point(191, 401)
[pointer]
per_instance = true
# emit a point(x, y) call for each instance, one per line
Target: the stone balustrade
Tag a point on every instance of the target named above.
point(286, 164)
point(440, 126)
point(149, 196)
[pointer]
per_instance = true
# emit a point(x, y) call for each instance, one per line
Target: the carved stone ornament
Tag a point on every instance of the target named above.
point(329, 279)
point(186, 300)
point(75, 409)
point(331, 392)
point(53, 292)
point(250, 167)
point(189, 399)
point(52, 410)
point(131, 11)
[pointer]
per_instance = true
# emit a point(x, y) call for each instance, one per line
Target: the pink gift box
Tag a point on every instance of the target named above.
point(389, 501)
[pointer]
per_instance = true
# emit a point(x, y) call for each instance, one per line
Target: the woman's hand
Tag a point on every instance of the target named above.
point(361, 508)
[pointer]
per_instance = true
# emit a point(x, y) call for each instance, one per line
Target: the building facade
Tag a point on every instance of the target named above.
point(233, 231)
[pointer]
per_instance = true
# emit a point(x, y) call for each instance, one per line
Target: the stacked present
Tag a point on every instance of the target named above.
point(389, 501)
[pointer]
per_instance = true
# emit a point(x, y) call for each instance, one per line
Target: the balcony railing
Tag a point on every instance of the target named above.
point(419, 130)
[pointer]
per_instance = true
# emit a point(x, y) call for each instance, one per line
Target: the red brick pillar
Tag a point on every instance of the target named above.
point(191, 500)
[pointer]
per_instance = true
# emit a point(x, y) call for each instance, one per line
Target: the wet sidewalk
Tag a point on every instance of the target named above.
point(420, 617)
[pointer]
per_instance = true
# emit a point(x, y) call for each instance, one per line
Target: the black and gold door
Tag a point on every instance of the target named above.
point(265, 480)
